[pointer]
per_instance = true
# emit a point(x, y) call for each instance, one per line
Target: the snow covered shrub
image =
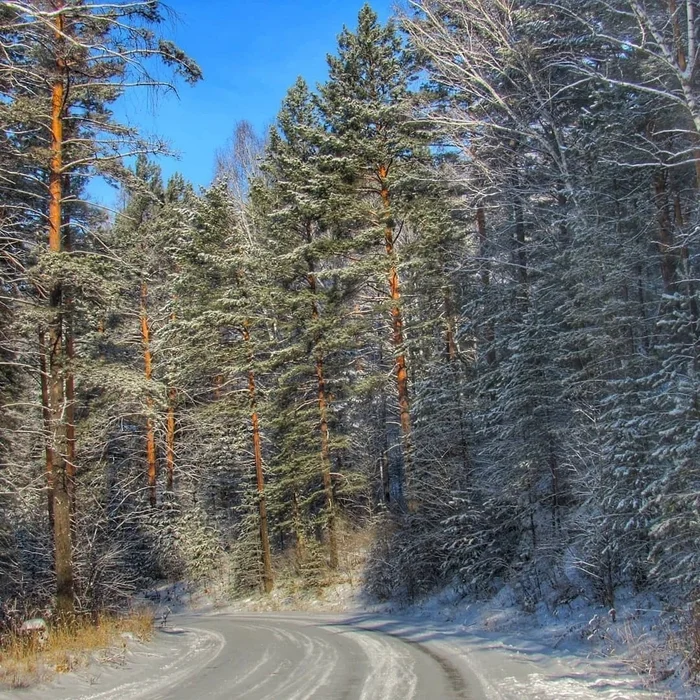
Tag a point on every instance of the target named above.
point(481, 543)
point(199, 544)
point(244, 557)
point(407, 559)
point(380, 573)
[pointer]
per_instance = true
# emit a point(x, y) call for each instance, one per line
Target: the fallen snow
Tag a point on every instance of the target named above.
point(570, 652)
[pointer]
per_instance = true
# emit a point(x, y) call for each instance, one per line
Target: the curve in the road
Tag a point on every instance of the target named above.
point(283, 658)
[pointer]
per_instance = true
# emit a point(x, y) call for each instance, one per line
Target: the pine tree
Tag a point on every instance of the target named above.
point(293, 199)
point(51, 95)
point(372, 146)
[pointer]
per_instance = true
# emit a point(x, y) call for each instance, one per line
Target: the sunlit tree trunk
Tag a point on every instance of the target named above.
point(170, 440)
point(400, 363)
point(151, 463)
point(682, 38)
point(56, 354)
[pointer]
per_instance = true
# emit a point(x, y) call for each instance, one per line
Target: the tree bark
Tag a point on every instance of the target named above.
point(323, 427)
point(71, 464)
point(669, 255)
point(398, 339)
point(268, 580)
point(489, 334)
point(450, 327)
point(151, 462)
point(46, 420)
point(56, 350)
point(520, 255)
point(170, 441)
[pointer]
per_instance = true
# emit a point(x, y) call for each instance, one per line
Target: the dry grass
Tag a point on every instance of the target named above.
point(25, 661)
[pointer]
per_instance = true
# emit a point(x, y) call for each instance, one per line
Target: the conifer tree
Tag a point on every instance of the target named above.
point(52, 94)
point(217, 323)
point(373, 147)
point(294, 200)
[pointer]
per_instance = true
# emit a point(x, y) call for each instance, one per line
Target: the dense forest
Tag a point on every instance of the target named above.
point(452, 298)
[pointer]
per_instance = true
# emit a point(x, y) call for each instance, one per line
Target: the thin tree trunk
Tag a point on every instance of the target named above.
point(523, 295)
point(71, 465)
point(669, 256)
point(170, 427)
point(489, 334)
point(323, 427)
point(57, 354)
point(268, 580)
point(326, 465)
point(46, 419)
point(300, 544)
point(687, 77)
point(151, 462)
point(170, 441)
point(71, 468)
point(450, 328)
point(398, 340)
point(218, 384)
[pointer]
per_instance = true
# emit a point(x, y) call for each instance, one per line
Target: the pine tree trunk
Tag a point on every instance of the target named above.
point(489, 333)
point(151, 463)
point(452, 357)
point(268, 580)
point(71, 467)
point(520, 254)
point(450, 324)
point(323, 427)
point(46, 420)
point(218, 383)
point(300, 544)
point(666, 245)
point(57, 353)
point(685, 262)
point(681, 58)
point(326, 465)
point(170, 441)
point(398, 341)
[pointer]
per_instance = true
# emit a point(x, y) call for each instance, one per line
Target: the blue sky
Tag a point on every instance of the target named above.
point(250, 52)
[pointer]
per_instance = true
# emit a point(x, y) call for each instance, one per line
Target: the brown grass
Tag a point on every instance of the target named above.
point(25, 661)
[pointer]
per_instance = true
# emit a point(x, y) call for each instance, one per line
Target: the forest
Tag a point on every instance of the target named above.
point(451, 298)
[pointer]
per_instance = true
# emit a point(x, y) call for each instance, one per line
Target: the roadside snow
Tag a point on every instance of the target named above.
point(572, 651)
point(175, 654)
point(580, 651)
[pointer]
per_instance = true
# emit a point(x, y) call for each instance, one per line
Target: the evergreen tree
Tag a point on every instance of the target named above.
point(372, 147)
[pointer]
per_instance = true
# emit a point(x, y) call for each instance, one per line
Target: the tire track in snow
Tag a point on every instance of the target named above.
point(206, 646)
point(392, 673)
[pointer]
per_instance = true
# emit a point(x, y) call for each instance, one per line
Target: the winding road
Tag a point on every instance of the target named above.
point(280, 657)
point(363, 657)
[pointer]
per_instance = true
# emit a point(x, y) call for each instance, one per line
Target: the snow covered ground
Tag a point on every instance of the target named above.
point(605, 657)
point(573, 652)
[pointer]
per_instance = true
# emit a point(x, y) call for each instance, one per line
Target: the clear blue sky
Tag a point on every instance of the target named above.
point(250, 52)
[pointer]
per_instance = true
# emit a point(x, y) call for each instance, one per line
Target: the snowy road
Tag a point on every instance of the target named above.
point(366, 657)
